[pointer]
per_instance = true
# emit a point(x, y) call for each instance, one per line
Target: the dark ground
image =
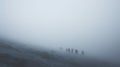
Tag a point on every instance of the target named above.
point(15, 55)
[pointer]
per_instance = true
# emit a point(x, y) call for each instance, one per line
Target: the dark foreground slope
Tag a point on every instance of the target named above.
point(14, 55)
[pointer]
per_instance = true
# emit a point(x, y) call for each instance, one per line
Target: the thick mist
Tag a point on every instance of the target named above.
point(89, 25)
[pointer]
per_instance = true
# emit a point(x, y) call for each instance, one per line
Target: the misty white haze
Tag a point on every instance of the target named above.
point(89, 25)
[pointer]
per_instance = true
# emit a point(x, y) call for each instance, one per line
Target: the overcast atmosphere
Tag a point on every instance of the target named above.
point(89, 25)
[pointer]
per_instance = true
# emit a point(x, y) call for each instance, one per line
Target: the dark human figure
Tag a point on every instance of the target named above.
point(82, 52)
point(72, 50)
point(76, 51)
point(68, 50)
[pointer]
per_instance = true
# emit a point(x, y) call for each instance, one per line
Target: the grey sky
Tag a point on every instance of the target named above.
point(91, 25)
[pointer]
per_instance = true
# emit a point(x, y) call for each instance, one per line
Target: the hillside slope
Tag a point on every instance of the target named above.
point(14, 55)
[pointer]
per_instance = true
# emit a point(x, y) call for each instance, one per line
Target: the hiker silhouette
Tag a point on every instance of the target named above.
point(76, 51)
point(82, 52)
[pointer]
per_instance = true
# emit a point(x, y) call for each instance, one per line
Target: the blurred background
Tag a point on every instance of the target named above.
point(89, 25)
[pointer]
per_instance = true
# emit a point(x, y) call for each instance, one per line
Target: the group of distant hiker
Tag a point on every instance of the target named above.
point(74, 51)
point(71, 50)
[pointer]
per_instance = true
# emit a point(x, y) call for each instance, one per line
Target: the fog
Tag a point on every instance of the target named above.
point(89, 25)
